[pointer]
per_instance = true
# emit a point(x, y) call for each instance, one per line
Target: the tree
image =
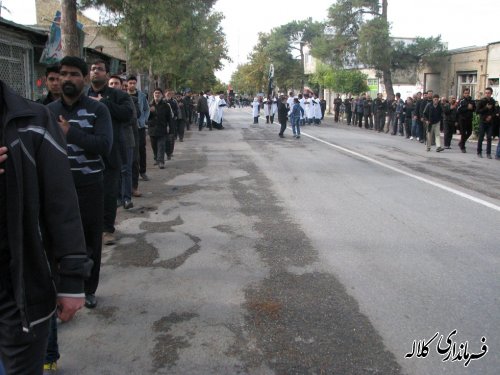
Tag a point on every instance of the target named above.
point(180, 44)
point(340, 80)
point(283, 47)
point(361, 34)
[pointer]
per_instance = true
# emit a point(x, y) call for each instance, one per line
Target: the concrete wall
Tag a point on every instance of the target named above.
point(470, 61)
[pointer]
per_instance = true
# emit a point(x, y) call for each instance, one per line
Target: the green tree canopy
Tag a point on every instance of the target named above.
point(359, 34)
point(182, 41)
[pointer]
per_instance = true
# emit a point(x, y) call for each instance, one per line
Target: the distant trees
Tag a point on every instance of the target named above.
point(339, 80)
point(178, 42)
point(283, 46)
point(360, 34)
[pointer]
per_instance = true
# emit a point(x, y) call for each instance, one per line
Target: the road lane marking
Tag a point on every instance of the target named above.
point(408, 174)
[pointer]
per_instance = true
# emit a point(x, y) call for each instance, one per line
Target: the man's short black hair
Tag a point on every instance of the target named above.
point(131, 78)
point(435, 96)
point(117, 77)
point(158, 89)
point(489, 89)
point(101, 61)
point(76, 62)
point(52, 69)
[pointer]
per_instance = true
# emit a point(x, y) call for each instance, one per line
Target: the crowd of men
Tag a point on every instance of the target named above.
point(423, 116)
point(66, 165)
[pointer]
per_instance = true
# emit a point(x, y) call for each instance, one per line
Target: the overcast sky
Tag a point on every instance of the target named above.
point(460, 23)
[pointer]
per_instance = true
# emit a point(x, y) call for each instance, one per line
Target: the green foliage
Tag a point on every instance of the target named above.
point(182, 41)
point(475, 124)
point(282, 47)
point(360, 35)
point(340, 80)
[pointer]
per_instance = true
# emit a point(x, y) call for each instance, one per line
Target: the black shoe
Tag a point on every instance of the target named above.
point(479, 155)
point(463, 150)
point(169, 157)
point(488, 156)
point(144, 176)
point(127, 205)
point(90, 301)
point(439, 149)
point(281, 135)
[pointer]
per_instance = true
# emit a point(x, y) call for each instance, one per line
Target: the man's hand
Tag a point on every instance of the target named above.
point(96, 98)
point(3, 157)
point(63, 124)
point(68, 306)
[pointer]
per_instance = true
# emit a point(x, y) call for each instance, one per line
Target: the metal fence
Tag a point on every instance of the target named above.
point(15, 64)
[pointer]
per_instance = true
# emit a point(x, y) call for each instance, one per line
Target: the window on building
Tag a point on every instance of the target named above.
point(494, 84)
point(467, 80)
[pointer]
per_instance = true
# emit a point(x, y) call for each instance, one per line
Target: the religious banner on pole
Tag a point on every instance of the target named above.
point(52, 53)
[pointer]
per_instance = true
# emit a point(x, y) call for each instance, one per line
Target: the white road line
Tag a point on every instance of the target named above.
point(422, 179)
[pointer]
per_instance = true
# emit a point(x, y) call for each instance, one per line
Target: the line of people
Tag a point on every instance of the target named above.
point(313, 108)
point(66, 165)
point(424, 116)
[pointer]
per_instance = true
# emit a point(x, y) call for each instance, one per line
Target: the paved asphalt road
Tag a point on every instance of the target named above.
point(332, 254)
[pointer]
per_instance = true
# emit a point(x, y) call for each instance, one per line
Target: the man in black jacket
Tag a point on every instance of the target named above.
point(282, 115)
point(53, 85)
point(120, 108)
point(465, 109)
point(487, 111)
point(39, 203)
point(432, 115)
point(203, 110)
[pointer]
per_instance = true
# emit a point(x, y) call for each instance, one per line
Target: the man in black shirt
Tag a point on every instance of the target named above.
point(121, 111)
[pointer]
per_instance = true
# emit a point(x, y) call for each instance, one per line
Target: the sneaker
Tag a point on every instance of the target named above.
point(298, 135)
point(479, 155)
point(488, 156)
point(428, 148)
point(161, 165)
point(144, 176)
point(439, 149)
point(411, 138)
point(108, 239)
point(50, 368)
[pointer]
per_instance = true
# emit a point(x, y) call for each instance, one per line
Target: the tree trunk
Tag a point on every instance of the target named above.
point(384, 9)
point(69, 32)
point(387, 77)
